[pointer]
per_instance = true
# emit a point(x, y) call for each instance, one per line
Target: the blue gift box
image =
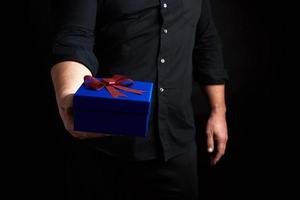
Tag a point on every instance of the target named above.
point(98, 111)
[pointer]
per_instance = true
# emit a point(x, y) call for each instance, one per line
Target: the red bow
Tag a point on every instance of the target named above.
point(117, 81)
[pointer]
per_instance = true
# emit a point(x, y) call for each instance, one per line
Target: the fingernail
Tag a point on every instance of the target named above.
point(210, 149)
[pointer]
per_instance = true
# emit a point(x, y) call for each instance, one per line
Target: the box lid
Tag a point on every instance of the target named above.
point(93, 100)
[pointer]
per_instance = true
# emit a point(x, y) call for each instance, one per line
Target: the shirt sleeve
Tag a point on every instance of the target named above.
point(208, 66)
point(74, 38)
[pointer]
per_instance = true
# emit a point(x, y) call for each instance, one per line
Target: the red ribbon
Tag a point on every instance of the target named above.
point(111, 84)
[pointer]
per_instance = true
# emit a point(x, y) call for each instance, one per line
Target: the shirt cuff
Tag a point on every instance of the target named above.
point(211, 76)
point(77, 54)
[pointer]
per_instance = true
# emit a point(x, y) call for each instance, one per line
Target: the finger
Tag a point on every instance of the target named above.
point(79, 135)
point(210, 141)
point(75, 135)
point(219, 152)
point(91, 134)
point(87, 135)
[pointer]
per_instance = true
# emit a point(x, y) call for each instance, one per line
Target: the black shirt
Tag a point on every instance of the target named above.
point(167, 42)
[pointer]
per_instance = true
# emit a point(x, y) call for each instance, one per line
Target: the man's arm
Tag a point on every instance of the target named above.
point(73, 56)
point(74, 38)
point(210, 73)
point(216, 129)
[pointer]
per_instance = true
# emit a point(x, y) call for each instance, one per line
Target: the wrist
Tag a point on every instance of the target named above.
point(67, 77)
point(218, 110)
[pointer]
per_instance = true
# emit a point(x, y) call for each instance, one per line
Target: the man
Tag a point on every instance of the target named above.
point(167, 42)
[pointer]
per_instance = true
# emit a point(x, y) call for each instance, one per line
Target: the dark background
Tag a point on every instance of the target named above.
point(252, 36)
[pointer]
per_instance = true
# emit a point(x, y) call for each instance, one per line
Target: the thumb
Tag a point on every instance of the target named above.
point(210, 141)
point(67, 117)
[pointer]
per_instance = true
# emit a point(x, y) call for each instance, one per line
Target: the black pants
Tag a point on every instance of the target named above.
point(93, 175)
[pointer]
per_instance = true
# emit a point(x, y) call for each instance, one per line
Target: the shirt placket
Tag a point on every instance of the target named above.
point(162, 64)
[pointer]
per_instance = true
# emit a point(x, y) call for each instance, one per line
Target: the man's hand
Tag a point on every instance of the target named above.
point(67, 77)
point(216, 131)
point(65, 107)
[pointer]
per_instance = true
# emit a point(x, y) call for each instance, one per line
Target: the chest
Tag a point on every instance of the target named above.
point(189, 9)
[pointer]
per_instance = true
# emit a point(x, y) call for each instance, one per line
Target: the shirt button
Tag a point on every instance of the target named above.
point(162, 60)
point(165, 30)
point(161, 89)
point(165, 5)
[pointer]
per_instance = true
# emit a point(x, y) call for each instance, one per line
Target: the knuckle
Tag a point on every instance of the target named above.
point(71, 131)
point(224, 138)
point(75, 135)
point(209, 133)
